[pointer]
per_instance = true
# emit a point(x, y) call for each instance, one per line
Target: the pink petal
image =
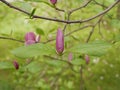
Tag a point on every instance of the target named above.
point(53, 1)
point(30, 36)
point(59, 41)
point(29, 42)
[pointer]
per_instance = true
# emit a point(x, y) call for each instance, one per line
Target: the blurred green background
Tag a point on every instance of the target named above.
point(102, 73)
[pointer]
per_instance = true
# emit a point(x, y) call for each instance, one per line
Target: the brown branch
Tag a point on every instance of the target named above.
point(13, 39)
point(84, 5)
point(76, 30)
point(81, 28)
point(93, 27)
point(100, 33)
point(34, 16)
point(63, 21)
point(100, 14)
point(66, 61)
point(53, 58)
point(59, 9)
point(89, 36)
point(102, 5)
point(81, 77)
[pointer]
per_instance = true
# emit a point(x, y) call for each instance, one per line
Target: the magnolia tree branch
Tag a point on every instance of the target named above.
point(62, 60)
point(59, 9)
point(93, 27)
point(59, 20)
point(63, 21)
point(68, 34)
point(84, 5)
point(13, 39)
point(76, 30)
point(102, 5)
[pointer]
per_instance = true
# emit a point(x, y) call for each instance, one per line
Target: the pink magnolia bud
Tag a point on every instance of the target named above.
point(59, 41)
point(37, 39)
point(29, 42)
point(16, 65)
point(53, 1)
point(70, 56)
point(30, 36)
point(87, 59)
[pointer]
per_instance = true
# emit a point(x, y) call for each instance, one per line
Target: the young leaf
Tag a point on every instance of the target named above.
point(33, 67)
point(33, 50)
point(78, 61)
point(39, 31)
point(96, 48)
point(32, 13)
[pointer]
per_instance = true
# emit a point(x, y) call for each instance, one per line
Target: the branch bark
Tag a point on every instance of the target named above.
point(13, 39)
point(62, 21)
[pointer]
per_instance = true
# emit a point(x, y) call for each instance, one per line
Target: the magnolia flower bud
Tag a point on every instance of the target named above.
point(29, 42)
point(59, 41)
point(16, 65)
point(53, 1)
point(70, 56)
point(87, 59)
point(30, 36)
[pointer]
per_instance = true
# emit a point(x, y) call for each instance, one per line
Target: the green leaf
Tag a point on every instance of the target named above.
point(33, 67)
point(39, 31)
point(55, 63)
point(78, 61)
point(33, 50)
point(32, 13)
point(96, 48)
point(6, 65)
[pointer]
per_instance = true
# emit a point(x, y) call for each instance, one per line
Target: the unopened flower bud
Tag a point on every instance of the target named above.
point(30, 36)
point(59, 41)
point(70, 56)
point(53, 1)
point(29, 42)
point(16, 65)
point(87, 59)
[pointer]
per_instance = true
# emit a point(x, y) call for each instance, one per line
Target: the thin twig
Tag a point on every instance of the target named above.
point(59, 9)
point(84, 5)
point(76, 30)
point(100, 14)
point(81, 78)
point(69, 63)
point(81, 28)
point(100, 30)
point(63, 21)
point(91, 32)
point(93, 27)
point(99, 4)
point(13, 39)
point(53, 58)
